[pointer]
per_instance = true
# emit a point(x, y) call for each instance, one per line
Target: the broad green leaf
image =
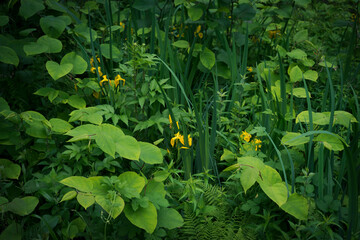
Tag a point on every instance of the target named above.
point(98, 187)
point(8, 56)
point(300, 92)
point(68, 196)
point(228, 156)
point(145, 218)
point(23, 206)
point(195, 13)
point(311, 75)
point(79, 64)
point(4, 20)
point(301, 36)
point(57, 71)
point(52, 26)
point(85, 199)
point(155, 191)
point(128, 147)
point(35, 48)
point(295, 74)
point(143, 5)
point(83, 132)
point(297, 54)
point(169, 218)
point(307, 62)
point(80, 183)
point(341, 117)
point(150, 153)
point(29, 8)
point(112, 206)
point(289, 136)
point(161, 176)
point(53, 45)
point(95, 118)
point(36, 129)
point(4, 105)
point(142, 31)
point(105, 141)
point(60, 126)
point(244, 11)
point(248, 177)
point(251, 161)
point(331, 142)
point(297, 206)
point(318, 118)
point(271, 183)
point(76, 102)
point(9, 169)
point(84, 31)
point(207, 58)
point(105, 50)
point(232, 167)
point(181, 44)
point(131, 184)
point(12, 232)
point(32, 116)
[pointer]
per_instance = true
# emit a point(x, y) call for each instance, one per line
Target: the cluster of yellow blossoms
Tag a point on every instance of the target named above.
point(198, 33)
point(118, 78)
point(274, 33)
point(247, 136)
point(179, 137)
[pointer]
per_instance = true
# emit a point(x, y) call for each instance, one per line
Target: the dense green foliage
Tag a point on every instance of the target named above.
point(185, 119)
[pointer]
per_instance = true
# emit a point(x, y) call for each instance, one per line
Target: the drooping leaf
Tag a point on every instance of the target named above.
point(8, 56)
point(85, 199)
point(57, 71)
point(112, 206)
point(79, 64)
point(150, 153)
point(169, 218)
point(9, 169)
point(297, 206)
point(331, 142)
point(80, 183)
point(145, 218)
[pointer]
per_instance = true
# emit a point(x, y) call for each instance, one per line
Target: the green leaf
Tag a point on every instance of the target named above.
point(85, 199)
point(341, 117)
point(318, 118)
point(297, 54)
point(161, 176)
point(105, 142)
point(300, 92)
point(150, 153)
point(53, 45)
point(244, 11)
point(9, 169)
point(143, 5)
point(57, 71)
point(29, 8)
point(301, 36)
point(84, 31)
point(76, 102)
point(68, 196)
point(95, 118)
point(295, 74)
point(79, 64)
point(207, 58)
point(195, 13)
point(13, 232)
point(169, 218)
point(181, 44)
point(248, 177)
point(52, 26)
point(272, 185)
point(80, 183)
point(83, 132)
point(4, 20)
point(131, 184)
point(23, 206)
point(60, 126)
point(155, 191)
point(105, 50)
point(128, 147)
point(145, 218)
point(311, 75)
point(8, 56)
point(112, 206)
point(297, 206)
point(331, 142)
point(35, 48)
point(289, 136)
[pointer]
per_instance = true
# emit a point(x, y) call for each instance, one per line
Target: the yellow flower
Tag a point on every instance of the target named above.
point(183, 142)
point(75, 86)
point(177, 137)
point(92, 62)
point(250, 69)
point(92, 69)
point(246, 136)
point(201, 35)
point(104, 80)
point(198, 29)
point(118, 78)
point(274, 33)
point(257, 141)
point(122, 24)
point(171, 122)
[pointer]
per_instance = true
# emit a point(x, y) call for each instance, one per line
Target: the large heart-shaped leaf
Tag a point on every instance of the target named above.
point(207, 58)
point(128, 147)
point(145, 218)
point(79, 64)
point(8, 56)
point(52, 26)
point(57, 71)
point(112, 206)
point(85, 199)
point(297, 206)
point(131, 184)
point(169, 218)
point(150, 153)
